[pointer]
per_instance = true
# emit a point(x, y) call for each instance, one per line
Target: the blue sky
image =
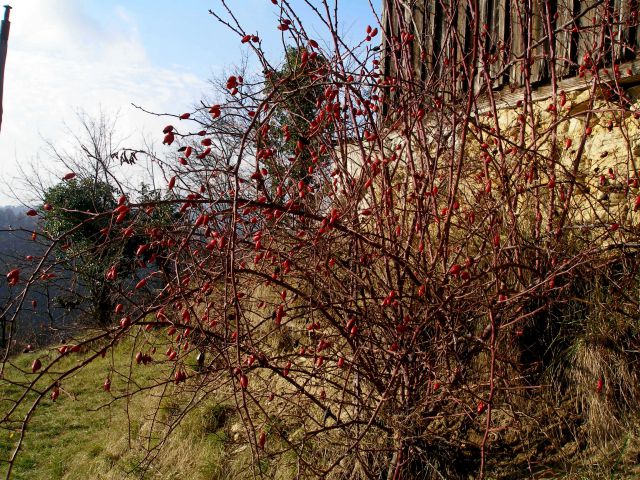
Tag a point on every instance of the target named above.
point(188, 35)
point(93, 56)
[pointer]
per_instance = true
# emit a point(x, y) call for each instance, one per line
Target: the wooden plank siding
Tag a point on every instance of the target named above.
point(515, 36)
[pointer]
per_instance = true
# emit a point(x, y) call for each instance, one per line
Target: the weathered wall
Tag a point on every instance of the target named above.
point(607, 165)
point(443, 30)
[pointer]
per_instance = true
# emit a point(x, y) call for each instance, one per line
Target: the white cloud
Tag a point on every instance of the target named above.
point(61, 60)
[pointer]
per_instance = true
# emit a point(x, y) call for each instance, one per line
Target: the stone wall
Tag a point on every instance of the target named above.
point(596, 141)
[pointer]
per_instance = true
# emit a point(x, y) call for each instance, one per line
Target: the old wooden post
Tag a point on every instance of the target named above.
point(4, 39)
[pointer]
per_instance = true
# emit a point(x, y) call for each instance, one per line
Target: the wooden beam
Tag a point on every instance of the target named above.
point(507, 98)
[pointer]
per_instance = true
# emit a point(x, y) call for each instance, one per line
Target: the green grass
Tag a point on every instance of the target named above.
point(86, 434)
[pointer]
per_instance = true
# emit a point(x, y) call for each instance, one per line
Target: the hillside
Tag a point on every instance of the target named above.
point(50, 318)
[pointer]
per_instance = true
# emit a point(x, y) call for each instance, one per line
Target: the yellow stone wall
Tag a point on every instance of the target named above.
point(607, 174)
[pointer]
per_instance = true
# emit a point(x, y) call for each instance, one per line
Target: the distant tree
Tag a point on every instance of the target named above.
point(298, 95)
point(77, 212)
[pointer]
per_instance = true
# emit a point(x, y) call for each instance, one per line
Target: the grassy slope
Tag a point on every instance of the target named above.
point(73, 438)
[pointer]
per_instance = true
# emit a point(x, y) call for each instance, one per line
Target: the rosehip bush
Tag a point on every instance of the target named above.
point(385, 267)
